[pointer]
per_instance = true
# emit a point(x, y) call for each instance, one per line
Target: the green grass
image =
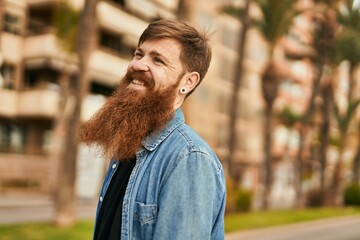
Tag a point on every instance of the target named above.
point(83, 230)
point(244, 221)
point(46, 231)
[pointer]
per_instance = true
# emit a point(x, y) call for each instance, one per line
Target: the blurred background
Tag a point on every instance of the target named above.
point(279, 104)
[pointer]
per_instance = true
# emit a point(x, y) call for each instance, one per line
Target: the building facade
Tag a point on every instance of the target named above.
point(33, 61)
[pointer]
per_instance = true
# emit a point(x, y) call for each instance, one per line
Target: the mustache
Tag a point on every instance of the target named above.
point(140, 76)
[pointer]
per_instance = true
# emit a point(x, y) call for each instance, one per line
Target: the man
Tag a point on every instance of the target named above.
point(164, 181)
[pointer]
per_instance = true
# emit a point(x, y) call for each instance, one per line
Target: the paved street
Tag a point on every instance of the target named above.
point(344, 228)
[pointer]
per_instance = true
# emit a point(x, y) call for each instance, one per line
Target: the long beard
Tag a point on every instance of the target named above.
point(128, 117)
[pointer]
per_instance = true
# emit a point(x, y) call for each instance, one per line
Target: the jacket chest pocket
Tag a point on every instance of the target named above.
point(144, 220)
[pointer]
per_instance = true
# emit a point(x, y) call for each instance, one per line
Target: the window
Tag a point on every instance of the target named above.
point(6, 76)
point(119, 2)
point(116, 44)
point(41, 79)
point(97, 88)
point(11, 24)
point(12, 138)
point(40, 20)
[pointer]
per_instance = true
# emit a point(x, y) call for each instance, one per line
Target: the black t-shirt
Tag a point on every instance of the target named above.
point(108, 225)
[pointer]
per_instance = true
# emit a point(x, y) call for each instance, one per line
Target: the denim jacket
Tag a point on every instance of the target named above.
point(176, 189)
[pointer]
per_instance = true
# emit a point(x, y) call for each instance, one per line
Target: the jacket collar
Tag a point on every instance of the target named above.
point(153, 140)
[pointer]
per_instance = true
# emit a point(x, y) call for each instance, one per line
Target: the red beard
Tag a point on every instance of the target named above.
point(128, 117)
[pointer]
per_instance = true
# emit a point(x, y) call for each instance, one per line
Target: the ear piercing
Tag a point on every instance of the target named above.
point(183, 90)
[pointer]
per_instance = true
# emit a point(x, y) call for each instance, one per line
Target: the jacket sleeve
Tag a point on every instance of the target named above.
point(191, 203)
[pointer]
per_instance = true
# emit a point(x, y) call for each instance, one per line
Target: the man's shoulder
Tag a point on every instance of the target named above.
point(185, 137)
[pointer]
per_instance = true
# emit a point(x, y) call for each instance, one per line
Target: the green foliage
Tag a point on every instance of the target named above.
point(352, 195)
point(277, 18)
point(288, 117)
point(234, 11)
point(348, 39)
point(348, 47)
point(348, 16)
point(237, 199)
point(65, 21)
point(230, 196)
point(45, 231)
point(243, 200)
point(242, 221)
point(335, 140)
point(343, 120)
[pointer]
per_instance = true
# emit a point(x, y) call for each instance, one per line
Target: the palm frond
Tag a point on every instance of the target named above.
point(348, 16)
point(65, 21)
point(234, 11)
point(277, 18)
point(347, 47)
point(343, 120)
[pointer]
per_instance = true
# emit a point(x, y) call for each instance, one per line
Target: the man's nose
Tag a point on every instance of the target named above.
point(140, 64)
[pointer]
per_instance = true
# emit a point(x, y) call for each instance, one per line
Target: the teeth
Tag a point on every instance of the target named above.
point(137, 82)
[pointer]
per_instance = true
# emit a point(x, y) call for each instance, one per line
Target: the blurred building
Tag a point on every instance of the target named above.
point(33, 63)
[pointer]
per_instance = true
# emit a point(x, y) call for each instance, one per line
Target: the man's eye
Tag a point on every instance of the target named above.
point(158, 60)
point(138, 55)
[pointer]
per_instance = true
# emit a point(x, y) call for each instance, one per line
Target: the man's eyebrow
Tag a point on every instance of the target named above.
point(154, 53)
point(157, 54)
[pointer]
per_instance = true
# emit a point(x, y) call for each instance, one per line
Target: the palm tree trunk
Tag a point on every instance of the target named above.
point(324, 135)
point(184, 9)
point(304, 131)
point(298, 168)
point(338, 181)
point(64, 195)
point(235, 104)
point(1, 29)
point(65, 204)
point(267, 164)
point(356, 163)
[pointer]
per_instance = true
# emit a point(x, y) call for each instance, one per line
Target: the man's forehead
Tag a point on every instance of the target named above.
point(161, 46)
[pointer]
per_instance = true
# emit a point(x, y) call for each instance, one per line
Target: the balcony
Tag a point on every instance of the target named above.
point(107, 68)
point(11, 47)
point(41, 103)
point(9, 102)
point(44, 49)
point(118, 21)
point(38, 103)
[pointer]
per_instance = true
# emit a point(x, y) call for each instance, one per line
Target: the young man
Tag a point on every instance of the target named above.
point(164, 181)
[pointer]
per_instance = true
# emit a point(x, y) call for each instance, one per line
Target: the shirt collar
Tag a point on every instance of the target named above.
point(153, 140)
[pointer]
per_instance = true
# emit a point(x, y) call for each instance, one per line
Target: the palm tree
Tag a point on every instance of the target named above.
point(65, 21)
point(332, 50)
point(348, 48)
point(323, 44)
point(243, 15)
point(343, 121)
point(289, 119)
point(356, 161)
point(326, 93)
point(184, 9)
point(74, 92)
point(276, 20)
point(1, 29)
point(348, 43)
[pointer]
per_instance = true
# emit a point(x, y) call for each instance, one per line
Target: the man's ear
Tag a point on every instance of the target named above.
point(191, 81)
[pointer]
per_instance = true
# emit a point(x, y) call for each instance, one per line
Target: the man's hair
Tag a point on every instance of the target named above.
point(195, 48)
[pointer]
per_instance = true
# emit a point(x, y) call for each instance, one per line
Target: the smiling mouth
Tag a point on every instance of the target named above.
point(137, 82)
